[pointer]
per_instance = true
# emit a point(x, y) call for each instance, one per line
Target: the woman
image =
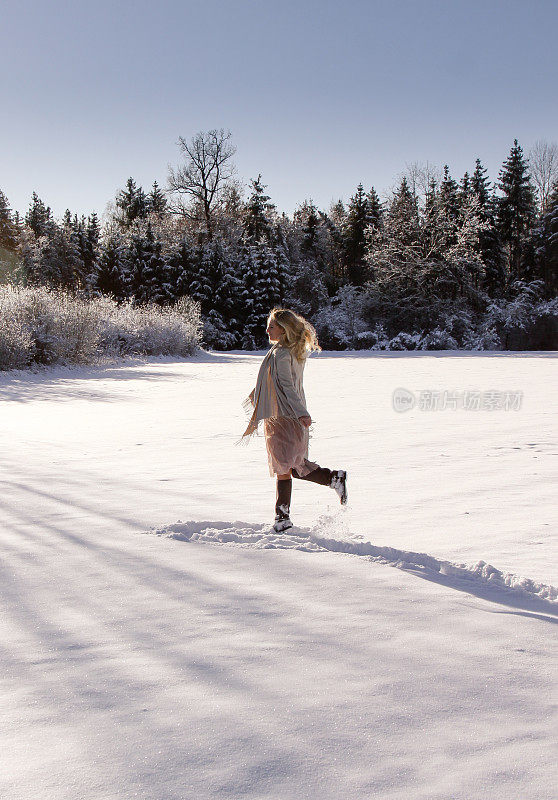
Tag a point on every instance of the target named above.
point(278, 399)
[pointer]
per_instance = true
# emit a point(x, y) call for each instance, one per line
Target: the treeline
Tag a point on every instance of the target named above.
point(440, 263)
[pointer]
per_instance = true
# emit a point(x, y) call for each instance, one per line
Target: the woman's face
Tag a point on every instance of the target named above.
point(274, 331)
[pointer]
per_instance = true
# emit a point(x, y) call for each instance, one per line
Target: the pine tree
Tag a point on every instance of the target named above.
point(516, 212)
point(56, 260)
point(133, 203)
point(335, 248)
point(337, 214)
point(311, 240)
point(84, 235)
point(202, 285)
point(364, 212)
point(285, 268)
point(249, 307)
point(489, 245)
point(93, 230)
point(433, 234)
point(88, 255)
point(356, 223)
point(308, 214)
point(149, 274)
point(480, 184)
point(449, 199)
point(375, 210)
point(403, 220)
point(110, 273)
point(223, 326)
point(231, 203)
point(8, 229)
point(182, 268)
point(72, 249)
point(258, 213)
point(29, 254)
point(465, 189)
point(451, 223)
point(492, 250)
point(50, 252)
point(39, 216)
point(393, 249)
point(546, 245)
point(136, 258)
point(336, 221)
point(155, 286)
point(91, 234)
point(156, 201)
point(268, 283)
point(403, 214)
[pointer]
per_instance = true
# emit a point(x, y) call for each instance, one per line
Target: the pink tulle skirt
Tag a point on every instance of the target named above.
point(286, 442)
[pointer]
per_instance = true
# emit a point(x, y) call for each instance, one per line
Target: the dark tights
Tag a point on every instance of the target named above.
point(322, 475)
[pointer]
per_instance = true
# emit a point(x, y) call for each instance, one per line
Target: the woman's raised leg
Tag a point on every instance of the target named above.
point(336, 479)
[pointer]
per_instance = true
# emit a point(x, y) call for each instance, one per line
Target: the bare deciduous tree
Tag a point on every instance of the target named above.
point(420, 176)
point(204, 175)
point(543, 166)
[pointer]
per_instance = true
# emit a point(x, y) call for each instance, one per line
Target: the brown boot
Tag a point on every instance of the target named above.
point(325, 477)
point(283, 506)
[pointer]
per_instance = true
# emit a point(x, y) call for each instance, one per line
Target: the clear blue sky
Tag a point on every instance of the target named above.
point(318, 95)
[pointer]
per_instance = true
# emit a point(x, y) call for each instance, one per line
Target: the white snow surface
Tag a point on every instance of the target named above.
point(159, 641)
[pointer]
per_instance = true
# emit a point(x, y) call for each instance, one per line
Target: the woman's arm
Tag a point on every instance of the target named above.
point(285, 378)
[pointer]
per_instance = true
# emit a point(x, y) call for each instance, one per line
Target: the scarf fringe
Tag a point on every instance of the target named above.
point(249, 408)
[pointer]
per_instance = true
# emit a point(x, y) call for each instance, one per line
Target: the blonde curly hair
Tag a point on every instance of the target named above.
point(300, 336)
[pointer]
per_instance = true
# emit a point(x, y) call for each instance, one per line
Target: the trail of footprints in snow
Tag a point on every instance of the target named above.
point(328, 535)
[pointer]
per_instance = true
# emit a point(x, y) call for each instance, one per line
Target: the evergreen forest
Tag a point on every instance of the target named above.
point(436, 263)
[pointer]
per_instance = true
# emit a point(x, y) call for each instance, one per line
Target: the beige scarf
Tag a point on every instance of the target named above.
point(266, 373)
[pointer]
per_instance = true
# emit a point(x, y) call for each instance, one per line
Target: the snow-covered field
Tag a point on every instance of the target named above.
point(159, 643)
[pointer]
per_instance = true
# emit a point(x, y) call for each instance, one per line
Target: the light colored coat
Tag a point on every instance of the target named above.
point(279, 391)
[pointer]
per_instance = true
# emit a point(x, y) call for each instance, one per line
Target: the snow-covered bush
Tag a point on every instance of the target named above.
point(64, 328)
point(43, 326)
point(438, 339)
point(483, 337)
point(340, 323)
point(127, 329)
point(46, 327)
point(378, 338)
point(16, 343)
point(330, 335)
point(525, 321)
point(405, 341)
point(367, 340)
point(454, 331)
